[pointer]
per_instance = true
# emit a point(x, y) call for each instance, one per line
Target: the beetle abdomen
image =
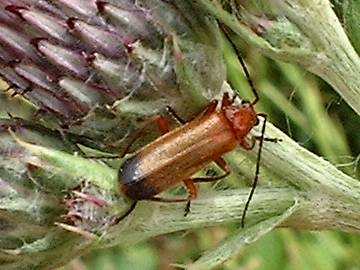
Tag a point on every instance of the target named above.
point(133, 182)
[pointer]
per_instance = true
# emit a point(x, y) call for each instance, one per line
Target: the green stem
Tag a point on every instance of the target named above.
point(212, 208)
point(327, 51)
point(320, 212)
point(337, 62)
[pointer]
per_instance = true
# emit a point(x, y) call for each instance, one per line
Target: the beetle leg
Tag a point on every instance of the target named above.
point(210, 108)
point(249, 145)
point(223, 165)
point(161, 123)
point(226, 101)
point(131, 208)
point(166, 200)
point(192, 190)
point(274, 140)
point(175, 115)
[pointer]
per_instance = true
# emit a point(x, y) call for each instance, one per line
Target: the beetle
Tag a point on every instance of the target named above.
point(178, 154)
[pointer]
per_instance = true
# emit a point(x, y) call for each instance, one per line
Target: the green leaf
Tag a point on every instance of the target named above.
point(74, 167)
point(239, 240)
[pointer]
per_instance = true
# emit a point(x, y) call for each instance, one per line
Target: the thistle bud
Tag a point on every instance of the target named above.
point(53, 203)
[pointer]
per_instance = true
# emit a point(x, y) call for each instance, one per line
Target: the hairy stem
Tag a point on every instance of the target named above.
point(313, 37)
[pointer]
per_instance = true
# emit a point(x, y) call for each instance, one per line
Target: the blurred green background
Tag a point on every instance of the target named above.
point(310, 112)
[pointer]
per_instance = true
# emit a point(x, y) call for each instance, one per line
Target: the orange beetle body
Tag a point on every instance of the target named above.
point(178, 154)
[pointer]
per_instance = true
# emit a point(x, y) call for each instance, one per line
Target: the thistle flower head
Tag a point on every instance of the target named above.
point(99, 67)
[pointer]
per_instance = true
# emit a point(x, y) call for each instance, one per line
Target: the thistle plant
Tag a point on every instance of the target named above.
point(93, 71)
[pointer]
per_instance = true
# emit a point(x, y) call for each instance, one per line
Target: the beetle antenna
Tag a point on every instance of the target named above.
point(257, 169)
point(243, 65)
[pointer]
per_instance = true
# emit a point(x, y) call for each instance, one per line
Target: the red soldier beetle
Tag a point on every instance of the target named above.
point(178, 154)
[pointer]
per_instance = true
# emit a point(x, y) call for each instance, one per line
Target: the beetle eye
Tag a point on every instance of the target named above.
point(245, 101)
point(257, 122)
